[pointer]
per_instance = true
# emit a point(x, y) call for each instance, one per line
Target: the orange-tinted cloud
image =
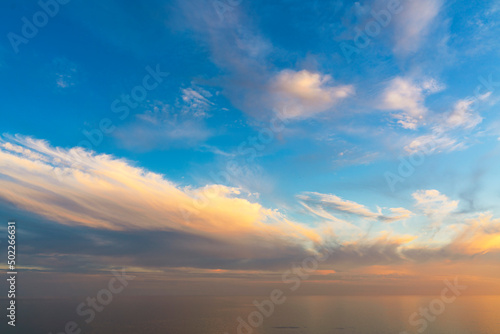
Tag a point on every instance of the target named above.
point(217, 230)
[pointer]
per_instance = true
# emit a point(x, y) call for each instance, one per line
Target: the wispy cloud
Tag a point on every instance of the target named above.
point(433, 143)
point(414, 23)
point(462, 115)
point(65, 72)
point(335, 203)
point(448, 129)
point(196, 101)
point(162, 125)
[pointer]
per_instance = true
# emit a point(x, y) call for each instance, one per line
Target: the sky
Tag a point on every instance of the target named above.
point(210, 146)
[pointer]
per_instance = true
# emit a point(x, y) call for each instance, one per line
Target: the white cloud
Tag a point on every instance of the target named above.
point(433, 203)
point(462, 115)
point(196, 101)
point(79, 188)
point(407, 96)
point(433, 143)
point(448, 132)
point(162, 125)
point(303, 94)
point(432, 86)
point(413, 24)
point(333, 202)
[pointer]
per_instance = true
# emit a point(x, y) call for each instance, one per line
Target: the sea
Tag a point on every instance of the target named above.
point(257, 315)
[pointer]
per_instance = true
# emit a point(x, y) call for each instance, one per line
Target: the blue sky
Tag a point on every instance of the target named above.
point(316, 103)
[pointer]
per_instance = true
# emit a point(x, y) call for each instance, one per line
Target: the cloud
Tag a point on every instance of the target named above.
point(463, 116)
point(196, 101)
point(433, 143)
point(86, 211)
point(79, 188)
point(478, 236)
point(353, 157)
point(162, 125)
point(407, 96)
point(399, 214)
point(236, 47)
point(433, 203)
point(65, 72)
point(448, 130)
point(413, 24)
point(335, 203)
point(302, 94)
point(243, 55)
point(384, 248)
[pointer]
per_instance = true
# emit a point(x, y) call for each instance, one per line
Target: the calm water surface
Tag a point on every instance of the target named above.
point(297, 315)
